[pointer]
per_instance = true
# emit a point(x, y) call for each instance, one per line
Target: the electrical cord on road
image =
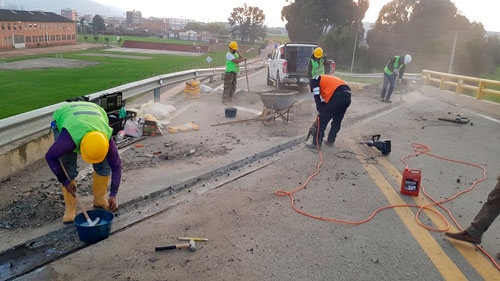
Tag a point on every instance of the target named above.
point(419, 149)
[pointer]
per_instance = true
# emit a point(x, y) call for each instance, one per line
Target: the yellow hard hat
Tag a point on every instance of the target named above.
point(233, 45)
point(318, 52)
point(94, 147)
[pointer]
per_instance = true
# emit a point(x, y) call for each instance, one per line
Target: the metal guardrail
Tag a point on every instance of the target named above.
point(406, 76)
point(30, 123)
point(461, 82)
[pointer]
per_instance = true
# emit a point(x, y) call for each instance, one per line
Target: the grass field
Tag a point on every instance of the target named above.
point(112, 39)
point(493, 76)
point(26, 90)
point(277, 37)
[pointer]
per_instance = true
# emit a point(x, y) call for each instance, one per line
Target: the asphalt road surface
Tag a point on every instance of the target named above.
point(255, 235)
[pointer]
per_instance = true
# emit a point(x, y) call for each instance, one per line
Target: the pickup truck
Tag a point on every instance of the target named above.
point(288, 64)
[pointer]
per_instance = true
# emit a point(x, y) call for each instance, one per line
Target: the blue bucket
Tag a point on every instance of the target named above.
point(94, 234)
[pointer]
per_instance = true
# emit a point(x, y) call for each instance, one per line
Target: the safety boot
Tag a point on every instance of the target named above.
point(70, 206)
point(99, 187)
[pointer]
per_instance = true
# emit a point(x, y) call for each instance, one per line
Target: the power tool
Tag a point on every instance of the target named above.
point(383, 145)
point(313, 130)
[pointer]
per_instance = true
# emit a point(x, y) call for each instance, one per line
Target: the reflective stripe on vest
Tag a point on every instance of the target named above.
point(318, 68)
point(396, 66)
point(232, 66)
point(79, 118)
point(328, 85)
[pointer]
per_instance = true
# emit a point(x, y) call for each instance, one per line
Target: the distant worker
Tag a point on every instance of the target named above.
point(332, 97)
point(82, 127)
point(233, 59)
point(317, 64)
point(488, 213)
point(394, 66)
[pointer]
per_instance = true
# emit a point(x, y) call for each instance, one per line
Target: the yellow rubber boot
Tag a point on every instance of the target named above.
point(99, 187)
point(70, 206)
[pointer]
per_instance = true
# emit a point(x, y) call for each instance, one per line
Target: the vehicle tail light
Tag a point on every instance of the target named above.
point(285, 67)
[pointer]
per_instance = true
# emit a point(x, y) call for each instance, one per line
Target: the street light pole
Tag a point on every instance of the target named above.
point(354, 51)
point(453, 52)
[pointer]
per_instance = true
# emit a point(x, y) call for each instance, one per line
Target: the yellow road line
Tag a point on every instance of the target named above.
point(441, 261)
point(480, 263)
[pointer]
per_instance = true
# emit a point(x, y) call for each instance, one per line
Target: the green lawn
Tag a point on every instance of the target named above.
point(277, 37)
point(113, 38)
point(493, 76)
point(26, 90)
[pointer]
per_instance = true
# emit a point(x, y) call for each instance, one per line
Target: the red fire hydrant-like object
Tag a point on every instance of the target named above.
point(410, 185)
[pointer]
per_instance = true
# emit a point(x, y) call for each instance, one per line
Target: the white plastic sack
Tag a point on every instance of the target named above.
point(132, 129)
point(206, 89)
point(157, 109)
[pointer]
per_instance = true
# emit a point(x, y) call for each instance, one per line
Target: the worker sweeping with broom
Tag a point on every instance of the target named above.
point(83, 128)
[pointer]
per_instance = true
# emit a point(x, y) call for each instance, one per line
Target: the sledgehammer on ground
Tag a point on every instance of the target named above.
point(191, 246)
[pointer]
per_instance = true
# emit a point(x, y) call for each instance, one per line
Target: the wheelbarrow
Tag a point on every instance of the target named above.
point(277, 105)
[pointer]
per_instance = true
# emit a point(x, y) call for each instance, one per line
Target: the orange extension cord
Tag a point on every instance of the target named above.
point(419, 149)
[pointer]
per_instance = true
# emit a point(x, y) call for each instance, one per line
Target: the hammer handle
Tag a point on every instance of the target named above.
point(172, 247)
point(165, 248)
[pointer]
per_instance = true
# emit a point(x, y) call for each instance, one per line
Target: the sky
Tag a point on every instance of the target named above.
point(485, 11)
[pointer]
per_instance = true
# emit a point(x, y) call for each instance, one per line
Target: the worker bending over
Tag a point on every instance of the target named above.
point(233, 59)
point(332, 97)
point(82, 128)
point(394, 66)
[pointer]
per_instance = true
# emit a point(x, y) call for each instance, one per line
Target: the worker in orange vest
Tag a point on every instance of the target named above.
point(332, 97)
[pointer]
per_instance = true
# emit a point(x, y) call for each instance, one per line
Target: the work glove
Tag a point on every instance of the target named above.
point(112, 203)
point(71, 188)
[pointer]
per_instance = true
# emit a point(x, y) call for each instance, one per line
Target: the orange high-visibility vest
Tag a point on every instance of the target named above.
point(328, 85)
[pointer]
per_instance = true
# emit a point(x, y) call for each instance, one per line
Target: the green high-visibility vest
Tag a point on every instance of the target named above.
point(232, 66)
point(79, 118)
point(396, 66)
point(318, 68)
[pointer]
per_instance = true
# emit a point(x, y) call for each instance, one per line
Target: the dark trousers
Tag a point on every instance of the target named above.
point(388, 79)
point(334, 110)
point(230, 79)
point(488, 213)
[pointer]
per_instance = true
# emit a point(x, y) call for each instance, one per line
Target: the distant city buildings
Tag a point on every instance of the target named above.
point(133, 17)
point(178, 24)
point(69, 14)
point(19, 29)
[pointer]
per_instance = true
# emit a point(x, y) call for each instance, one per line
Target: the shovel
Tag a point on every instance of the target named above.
point(246, 73)
point(89, 221)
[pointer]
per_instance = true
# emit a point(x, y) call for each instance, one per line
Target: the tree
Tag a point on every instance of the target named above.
point(85, 37)
point(338, 43)
point(98, 24)
point(96, 38)
point(307, 20)
point(426, 30)
point(82, 24)
point(107, 40)
point(194, 26)
point(248, 23)
point(217, 29)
